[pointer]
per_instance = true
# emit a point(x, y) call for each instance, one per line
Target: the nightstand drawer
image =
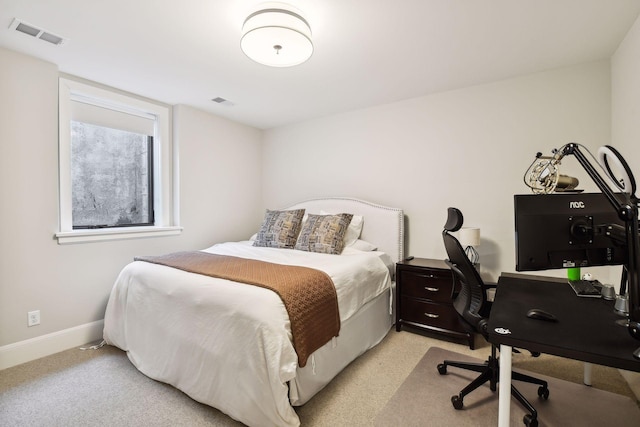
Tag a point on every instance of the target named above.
point(431, 314)
point(424, 300)
point(427, 284)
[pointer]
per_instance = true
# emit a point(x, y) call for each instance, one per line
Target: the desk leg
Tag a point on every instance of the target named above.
point(504, 387)
point(587, 373)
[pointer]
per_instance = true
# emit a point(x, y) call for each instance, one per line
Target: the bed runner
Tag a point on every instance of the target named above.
point(308, 294)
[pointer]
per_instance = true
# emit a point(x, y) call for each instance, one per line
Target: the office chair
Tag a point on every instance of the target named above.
point(474, 308)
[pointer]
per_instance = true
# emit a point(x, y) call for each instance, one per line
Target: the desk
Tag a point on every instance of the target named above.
point(586, 329)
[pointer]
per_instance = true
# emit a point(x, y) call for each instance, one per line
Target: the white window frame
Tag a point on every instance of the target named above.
point(165, 201)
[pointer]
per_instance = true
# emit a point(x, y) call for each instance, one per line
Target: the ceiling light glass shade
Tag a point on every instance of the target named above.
point(277, 36)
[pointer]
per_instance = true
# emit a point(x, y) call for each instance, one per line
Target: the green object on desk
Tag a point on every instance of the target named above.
point(573, 273)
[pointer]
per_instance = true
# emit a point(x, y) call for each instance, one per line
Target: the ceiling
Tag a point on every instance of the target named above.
point(366, 52)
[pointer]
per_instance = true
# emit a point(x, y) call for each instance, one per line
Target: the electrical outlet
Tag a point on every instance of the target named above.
point(33, 318)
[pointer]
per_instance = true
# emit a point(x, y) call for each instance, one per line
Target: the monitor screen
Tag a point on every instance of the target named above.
point(563, 230)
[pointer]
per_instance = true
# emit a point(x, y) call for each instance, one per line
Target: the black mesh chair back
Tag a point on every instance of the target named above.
point(471, 302)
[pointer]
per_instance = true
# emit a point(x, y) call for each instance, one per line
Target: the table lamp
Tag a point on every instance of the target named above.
point(470, 237)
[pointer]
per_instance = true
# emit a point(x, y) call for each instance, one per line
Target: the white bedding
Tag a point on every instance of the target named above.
point(227, 344)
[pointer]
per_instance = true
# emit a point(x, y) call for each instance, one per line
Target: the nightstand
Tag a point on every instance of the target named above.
point(423, 299)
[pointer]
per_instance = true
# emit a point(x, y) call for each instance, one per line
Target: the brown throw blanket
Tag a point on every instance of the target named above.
point(308, 294)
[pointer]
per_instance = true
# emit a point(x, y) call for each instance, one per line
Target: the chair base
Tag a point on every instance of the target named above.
point(490, 372)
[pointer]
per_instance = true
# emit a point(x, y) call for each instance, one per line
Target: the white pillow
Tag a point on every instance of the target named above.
point(363, 245)
point(353, 231)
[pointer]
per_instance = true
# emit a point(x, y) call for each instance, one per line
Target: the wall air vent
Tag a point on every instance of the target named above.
point(36, 32)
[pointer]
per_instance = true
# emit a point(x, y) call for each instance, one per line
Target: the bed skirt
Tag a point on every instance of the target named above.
point(360, 332)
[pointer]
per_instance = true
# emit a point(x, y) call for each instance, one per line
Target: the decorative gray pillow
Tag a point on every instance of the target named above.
point(324, 233)
point(280, 229)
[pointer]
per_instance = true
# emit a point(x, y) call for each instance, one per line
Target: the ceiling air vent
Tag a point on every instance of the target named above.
point(34, 31)
point(223, 101)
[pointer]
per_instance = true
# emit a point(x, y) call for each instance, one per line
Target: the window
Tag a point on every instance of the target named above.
point(111, 177)
point(115, 166)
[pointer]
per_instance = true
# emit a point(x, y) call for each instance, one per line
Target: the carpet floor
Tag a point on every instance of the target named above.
point(102, 388)
point(424, 399)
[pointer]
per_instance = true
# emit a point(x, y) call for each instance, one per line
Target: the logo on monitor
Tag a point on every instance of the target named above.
point(576, 205)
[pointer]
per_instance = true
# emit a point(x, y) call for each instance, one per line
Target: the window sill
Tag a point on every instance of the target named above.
point(101, 235)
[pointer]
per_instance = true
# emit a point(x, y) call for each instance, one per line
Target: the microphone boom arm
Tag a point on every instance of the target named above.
point(628, 212)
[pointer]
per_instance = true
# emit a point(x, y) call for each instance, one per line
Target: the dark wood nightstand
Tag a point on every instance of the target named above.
point(423, 299)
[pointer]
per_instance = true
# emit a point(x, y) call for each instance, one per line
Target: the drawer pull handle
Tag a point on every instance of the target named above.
point(428, 276)
point(431, 315)
point(430, 289)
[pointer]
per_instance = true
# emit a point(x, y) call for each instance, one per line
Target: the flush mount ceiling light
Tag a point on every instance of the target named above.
point(277, 35)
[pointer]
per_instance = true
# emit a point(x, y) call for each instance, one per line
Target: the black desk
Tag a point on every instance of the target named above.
point(586, 329)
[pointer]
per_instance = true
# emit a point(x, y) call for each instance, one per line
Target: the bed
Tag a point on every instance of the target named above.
point(229, 345)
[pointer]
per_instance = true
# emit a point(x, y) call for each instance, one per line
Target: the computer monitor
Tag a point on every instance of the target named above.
point(564, 230)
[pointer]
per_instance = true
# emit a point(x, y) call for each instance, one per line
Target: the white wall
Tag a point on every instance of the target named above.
point(625, 95)
point(467, 148)
point(220, 173)
point(220, 180)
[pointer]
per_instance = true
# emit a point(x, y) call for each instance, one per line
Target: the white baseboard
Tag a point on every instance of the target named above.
point(45, 345)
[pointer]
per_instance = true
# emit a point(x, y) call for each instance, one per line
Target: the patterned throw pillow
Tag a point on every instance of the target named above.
point(324, 233)
point(354, 230)
point(280, 229)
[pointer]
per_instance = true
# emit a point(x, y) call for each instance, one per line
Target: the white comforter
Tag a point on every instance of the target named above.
point(227, 344)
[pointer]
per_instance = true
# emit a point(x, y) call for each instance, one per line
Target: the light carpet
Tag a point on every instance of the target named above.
point(96, 388)
point(102, 388)
point(424, 399)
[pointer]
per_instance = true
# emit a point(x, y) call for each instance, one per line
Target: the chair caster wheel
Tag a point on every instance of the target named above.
point(442, 368)
point(529, 421)
point(457, 401)
point(543, 392)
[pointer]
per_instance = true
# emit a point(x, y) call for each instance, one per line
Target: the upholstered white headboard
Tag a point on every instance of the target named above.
point(383, 226)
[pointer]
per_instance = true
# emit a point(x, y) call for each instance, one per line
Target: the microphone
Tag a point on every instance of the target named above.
point(543, 176)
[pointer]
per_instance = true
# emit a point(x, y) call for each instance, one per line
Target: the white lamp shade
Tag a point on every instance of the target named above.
point(469, 236)
point(277, 36)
